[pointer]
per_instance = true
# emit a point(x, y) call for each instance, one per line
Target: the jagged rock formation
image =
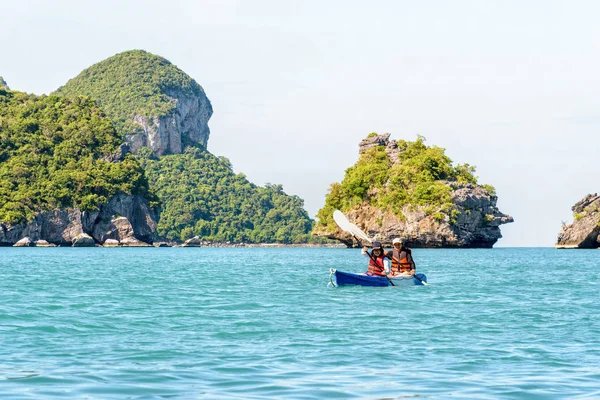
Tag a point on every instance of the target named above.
point(125, 218)
point(186, 124)
point(477, 225)
point(584, 232)
point(3, 84)
point(152, 103)
point(471, 220)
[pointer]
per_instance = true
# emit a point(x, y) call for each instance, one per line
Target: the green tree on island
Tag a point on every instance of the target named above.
point(202, 196)
point(419, 179)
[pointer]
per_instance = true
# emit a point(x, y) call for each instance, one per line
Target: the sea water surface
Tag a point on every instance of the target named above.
point(152, 323)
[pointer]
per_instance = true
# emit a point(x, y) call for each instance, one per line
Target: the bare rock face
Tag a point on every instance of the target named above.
point(373, 141)
point(477, 225)
point(124, 216)
point(186, 124)
point(391, 146)
point(25, 242)
point(584, 232)
point(118, 228)
point(111, 243)
point(3, 84)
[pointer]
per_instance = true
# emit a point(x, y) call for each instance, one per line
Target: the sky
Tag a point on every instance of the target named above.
point(511, 87)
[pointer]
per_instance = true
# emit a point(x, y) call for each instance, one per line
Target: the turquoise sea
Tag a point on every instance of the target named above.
point(153, 323)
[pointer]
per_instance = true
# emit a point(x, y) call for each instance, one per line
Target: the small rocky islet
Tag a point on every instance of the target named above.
point(413, 191)
point(584, 231)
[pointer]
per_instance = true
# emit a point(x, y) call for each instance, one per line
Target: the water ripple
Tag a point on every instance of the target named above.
point(171, 323)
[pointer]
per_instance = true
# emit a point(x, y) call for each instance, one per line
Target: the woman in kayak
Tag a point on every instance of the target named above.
point(402, 260)
point(378, 260)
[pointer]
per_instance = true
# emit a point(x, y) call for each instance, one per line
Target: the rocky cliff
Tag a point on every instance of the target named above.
point(125, 218)
point(3, 84)
point(152, 103)
point(466, 216)
point(584, 232)
point(186, 124)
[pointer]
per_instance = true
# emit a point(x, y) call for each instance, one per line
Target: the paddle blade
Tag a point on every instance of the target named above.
point(345, 225)
point(360, 234)
point(341, 221)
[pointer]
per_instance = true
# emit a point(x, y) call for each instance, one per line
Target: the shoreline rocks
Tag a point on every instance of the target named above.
point(123, 217)
point(193, 242)
point(43, 243)
point(83, 240)
point(110, 243)
point(25, 242)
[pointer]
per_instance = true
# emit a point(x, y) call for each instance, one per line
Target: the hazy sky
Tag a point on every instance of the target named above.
point(511, 87)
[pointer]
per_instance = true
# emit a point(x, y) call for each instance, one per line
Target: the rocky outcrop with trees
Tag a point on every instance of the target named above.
point(584, 231)
point(154, 105)
point(413, 191)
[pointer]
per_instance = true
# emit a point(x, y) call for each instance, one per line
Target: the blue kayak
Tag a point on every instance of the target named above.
point(340, 278)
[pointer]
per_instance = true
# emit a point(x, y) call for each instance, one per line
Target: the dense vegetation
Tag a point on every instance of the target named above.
point(132, 83)
point(418, 180)
point(54, 153)
point(202, 196)
point(199, 193)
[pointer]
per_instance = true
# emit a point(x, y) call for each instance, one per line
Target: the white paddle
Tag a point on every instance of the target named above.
point(345, 225)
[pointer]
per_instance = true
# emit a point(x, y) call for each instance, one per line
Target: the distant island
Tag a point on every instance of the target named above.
point(118, 156)
point(413, 191)
point(584, 231)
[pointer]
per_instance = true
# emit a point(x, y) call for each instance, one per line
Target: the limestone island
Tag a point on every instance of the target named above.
point(118, 157)
point(407, 189)
point(584, 232)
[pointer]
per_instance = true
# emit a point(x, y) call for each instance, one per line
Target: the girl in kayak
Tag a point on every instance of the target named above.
point(402, 260)
point(378, 260)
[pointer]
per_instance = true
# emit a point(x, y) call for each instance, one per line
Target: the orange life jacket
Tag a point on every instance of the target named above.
point(376, 266)
point(401, 265)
